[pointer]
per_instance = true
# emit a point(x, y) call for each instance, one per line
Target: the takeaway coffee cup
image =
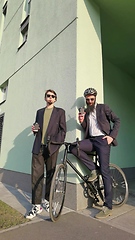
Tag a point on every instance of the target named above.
point(36, 127)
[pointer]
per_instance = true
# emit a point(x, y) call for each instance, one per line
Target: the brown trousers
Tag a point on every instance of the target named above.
point(37, 176)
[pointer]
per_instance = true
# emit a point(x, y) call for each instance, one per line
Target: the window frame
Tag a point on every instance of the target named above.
point(1, 128)
point(4, 90)
point(4, 9)
point(24, 26)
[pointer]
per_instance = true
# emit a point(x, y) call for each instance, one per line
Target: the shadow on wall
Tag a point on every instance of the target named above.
point(18, 160)
point(72, 123)
point(79, 103)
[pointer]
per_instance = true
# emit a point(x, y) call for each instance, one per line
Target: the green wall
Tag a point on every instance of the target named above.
point(119, 95)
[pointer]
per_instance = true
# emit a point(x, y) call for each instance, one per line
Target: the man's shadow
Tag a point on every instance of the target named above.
point(19, 163)
point(72, 122)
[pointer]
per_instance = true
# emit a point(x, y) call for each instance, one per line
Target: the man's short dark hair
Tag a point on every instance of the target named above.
point(52, 91)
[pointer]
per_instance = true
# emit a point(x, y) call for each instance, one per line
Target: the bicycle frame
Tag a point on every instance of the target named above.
point(66, 160)
point(84, 178)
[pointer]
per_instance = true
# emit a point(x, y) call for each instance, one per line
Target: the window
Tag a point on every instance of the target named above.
point(3, 92)
point(5, 8)
point(24, 28)
point(2, 20)
point(1, 128)
point(25, 23)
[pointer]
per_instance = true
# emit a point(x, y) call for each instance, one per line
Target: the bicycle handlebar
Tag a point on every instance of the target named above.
point(63, 143)
point(68, 144)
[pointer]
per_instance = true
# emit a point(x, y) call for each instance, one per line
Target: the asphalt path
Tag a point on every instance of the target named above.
point(70, 226)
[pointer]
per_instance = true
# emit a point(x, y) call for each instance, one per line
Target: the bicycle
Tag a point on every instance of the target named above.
point(94, 189)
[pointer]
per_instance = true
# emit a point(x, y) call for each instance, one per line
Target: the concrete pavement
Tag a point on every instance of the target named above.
point(72, 224)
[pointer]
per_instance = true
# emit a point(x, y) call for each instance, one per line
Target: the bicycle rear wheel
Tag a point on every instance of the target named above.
point(119, 186)
point(57, 192)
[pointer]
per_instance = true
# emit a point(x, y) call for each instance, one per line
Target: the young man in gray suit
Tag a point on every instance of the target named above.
point(99, 136)
point(50, 122)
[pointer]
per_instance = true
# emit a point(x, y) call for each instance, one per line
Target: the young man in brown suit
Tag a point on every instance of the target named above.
point(51, 123)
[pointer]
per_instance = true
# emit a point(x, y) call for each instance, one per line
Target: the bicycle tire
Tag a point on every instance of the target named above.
point(57, 192)
point(119, 186)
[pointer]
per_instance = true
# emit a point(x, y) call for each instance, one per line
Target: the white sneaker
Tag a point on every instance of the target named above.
point(34, 211)
point(46, 205)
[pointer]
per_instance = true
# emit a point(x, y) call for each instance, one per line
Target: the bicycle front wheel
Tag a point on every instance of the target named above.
point(119, 186)
point(57, 192)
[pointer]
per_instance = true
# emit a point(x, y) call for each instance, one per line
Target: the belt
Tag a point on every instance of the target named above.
point(97, 136)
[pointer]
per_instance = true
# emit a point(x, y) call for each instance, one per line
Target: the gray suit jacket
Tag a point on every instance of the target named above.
point(104, 118)
point(56, 129)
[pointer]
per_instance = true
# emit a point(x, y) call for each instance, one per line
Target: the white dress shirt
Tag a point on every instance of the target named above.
point(94, 129)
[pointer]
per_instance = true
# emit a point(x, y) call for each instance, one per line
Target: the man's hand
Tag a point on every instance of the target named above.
point(109, 139)
point(81, 117)
point(35, 128)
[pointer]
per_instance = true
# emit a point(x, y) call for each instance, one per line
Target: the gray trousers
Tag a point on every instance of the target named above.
point(37, 176)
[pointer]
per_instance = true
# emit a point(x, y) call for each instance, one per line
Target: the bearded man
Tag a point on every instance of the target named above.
point(99, 136)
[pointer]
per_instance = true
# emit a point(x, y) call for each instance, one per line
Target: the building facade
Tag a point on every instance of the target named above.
point(57, 45)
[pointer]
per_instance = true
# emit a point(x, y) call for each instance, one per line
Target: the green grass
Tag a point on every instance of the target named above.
point(9, 217)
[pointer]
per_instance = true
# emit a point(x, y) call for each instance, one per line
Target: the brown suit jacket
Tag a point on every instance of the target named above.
point(56, 129)
point(104, 118)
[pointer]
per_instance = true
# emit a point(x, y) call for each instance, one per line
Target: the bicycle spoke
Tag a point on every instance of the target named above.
point(119, 185)
point(57, 193)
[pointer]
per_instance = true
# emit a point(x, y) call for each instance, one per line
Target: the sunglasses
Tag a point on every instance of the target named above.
point(90, 99)
point(49, 95)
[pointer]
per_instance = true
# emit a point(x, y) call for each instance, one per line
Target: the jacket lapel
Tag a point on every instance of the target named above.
point(41, 119)
point(97, 111)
